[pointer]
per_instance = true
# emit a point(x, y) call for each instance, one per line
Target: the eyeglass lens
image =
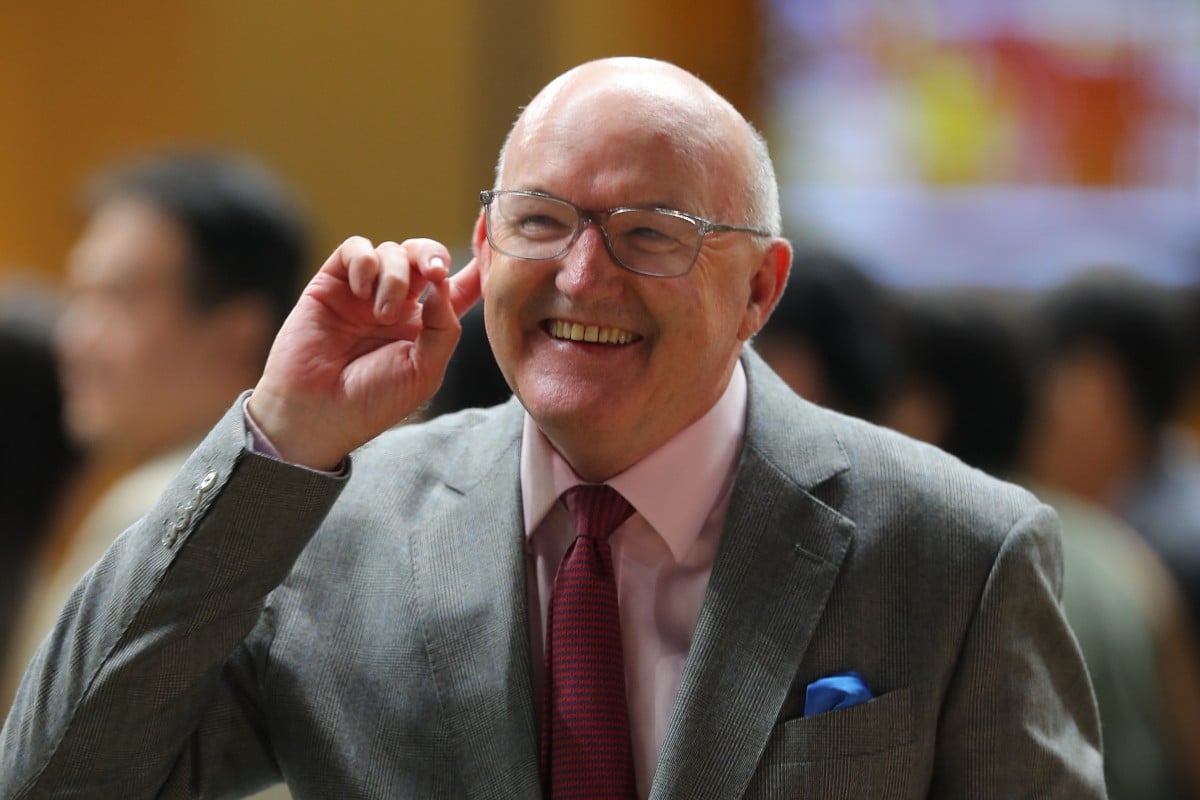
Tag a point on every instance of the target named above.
point(644, 240)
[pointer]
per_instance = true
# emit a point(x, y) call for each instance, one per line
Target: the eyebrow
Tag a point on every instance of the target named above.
point(650, 206)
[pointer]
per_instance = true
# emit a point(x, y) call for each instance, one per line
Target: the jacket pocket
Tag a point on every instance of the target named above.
point(879, 724)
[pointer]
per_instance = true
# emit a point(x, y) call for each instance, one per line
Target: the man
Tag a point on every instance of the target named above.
point(379, 631)
point(185, 268)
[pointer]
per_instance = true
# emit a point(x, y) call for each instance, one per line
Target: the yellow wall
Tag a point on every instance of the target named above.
point(386, 115)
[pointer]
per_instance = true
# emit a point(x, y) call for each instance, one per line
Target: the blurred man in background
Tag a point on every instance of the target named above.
point(185, 269)
point(1113, 365)
point(832, 336)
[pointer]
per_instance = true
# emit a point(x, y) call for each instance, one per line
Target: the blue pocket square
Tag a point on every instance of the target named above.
point(837, 691)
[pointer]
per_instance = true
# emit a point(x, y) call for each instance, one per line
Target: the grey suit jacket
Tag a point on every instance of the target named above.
point(367, 637)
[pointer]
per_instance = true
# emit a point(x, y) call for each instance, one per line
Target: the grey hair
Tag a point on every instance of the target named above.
point(762, 191)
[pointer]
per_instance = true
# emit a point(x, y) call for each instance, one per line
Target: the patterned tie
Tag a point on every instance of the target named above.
point(586, 748)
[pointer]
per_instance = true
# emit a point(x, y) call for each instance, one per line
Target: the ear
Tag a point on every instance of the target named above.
point(767, 283)
point(481, 248)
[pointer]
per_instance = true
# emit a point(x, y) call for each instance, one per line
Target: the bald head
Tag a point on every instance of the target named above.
point(611, 361)
point(639, 102)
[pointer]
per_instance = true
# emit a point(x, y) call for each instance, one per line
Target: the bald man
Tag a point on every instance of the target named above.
point(793, 603)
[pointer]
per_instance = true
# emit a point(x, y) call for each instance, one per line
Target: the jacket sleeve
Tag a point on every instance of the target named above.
point(1019, 718)
point(146, 686)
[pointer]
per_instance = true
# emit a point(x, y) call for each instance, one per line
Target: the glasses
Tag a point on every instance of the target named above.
point(658, 242)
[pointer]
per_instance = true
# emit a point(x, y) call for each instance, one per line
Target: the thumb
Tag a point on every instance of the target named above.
point(440, 327)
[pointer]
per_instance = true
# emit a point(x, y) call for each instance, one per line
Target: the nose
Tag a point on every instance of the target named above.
point(588, 267)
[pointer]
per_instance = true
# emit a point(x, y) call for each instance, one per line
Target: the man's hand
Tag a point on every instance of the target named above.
point(361, 350)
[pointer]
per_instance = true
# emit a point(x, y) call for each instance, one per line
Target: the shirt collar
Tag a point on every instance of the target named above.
point(664, 486)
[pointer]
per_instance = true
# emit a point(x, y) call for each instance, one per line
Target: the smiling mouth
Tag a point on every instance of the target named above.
point(578, 332)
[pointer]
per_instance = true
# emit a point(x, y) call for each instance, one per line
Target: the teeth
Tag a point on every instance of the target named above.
point(577, 332)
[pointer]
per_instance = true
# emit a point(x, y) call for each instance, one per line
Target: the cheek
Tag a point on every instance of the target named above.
point(485, 271)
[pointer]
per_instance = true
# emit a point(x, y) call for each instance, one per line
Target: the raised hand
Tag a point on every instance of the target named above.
point(361, 350)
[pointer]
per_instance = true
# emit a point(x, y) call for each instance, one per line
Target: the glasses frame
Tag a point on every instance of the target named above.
point(600, 219)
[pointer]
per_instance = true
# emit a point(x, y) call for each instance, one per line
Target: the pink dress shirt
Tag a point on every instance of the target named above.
point(662, 555)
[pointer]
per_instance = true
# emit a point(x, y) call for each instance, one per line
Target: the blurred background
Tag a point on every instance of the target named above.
point(968, 141)
point(386, 116)
point(990, 142)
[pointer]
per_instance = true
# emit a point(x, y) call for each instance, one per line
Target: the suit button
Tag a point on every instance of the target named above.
point(207, 482)
point(183, 517)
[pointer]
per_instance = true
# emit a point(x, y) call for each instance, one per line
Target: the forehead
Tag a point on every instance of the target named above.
point(623, 144)
point(128, 240)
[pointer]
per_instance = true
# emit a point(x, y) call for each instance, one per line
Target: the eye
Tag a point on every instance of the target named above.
point(651, 232)
point(536, 218)
point(541, 226)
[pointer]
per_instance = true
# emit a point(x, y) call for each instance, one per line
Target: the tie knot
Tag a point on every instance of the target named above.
point(597, 509)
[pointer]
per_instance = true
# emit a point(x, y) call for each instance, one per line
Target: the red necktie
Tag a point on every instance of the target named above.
point(586, 748)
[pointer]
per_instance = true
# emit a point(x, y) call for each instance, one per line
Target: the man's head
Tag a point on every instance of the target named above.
point(632, 133)
point(965, 384)
point(833, 337)
point(185, 268)
point(1111, 369)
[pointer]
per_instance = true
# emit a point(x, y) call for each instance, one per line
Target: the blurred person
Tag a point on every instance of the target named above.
point(968, 388)
point(960, 365)
point(831, 337)
point(792, 602)
point(1112, 368)
point(38, 462)
point(186, 266)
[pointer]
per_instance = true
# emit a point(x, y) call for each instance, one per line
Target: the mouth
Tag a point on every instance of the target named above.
point(598, 334)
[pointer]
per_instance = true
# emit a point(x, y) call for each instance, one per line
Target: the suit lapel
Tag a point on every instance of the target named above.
point(779, 558)
point(469, 562)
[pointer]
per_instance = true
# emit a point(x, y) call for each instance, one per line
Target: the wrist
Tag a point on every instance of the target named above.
point(280, 436)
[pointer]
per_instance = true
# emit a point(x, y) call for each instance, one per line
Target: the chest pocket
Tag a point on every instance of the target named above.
point(856, 752)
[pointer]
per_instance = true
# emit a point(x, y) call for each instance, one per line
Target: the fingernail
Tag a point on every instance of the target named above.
point(385, 310)
point(437, 261)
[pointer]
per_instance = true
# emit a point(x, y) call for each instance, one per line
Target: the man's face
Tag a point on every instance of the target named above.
point(130, 345)
point(617, 402)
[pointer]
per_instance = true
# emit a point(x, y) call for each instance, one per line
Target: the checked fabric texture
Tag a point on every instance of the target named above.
point(586, 746)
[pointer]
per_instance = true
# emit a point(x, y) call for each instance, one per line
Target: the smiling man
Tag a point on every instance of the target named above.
point(656, 572)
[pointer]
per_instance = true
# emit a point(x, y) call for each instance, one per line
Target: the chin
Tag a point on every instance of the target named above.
point(567, 405)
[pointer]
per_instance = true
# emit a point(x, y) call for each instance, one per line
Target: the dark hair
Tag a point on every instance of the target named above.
point(1135, 323)
point(37, 457)
point(845, 317)
point(973, 358)
point(245, 229)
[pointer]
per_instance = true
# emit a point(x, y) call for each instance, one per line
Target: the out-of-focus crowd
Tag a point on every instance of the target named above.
point(187, 264)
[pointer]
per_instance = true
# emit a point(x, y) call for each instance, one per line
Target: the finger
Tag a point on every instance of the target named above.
point(465, 288)
point(362, 266)
point(430, 256)
point(440, 329)
point(394, 283)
